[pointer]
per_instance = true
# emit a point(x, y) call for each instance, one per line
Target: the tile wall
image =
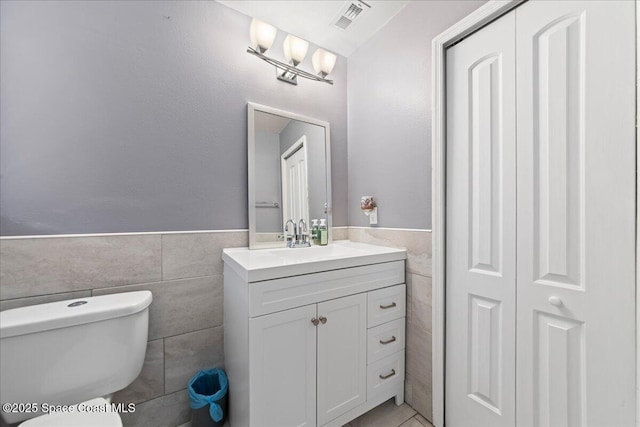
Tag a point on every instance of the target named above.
point(184, 272)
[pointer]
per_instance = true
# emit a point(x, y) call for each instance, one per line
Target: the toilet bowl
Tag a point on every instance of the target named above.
point(61, 357)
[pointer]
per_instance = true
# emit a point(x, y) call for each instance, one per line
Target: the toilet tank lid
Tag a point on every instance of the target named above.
point(62, 314)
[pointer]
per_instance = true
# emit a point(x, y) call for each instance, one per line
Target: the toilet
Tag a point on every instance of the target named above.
point(70, 356)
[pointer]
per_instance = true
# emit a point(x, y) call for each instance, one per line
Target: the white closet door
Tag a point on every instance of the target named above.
point(576, 213)
point(295, 189)
point(480, 234)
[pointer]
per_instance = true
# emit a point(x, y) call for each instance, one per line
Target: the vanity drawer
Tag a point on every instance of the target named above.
point(384, 340)
point(385, 374)
point(270, 296)
point(386, 304)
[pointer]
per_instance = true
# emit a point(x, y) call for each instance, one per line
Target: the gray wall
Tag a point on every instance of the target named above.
point(131, 116)
point(389, 90)
point(316, 165)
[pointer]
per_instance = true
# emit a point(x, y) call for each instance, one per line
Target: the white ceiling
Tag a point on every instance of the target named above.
point(312, 20)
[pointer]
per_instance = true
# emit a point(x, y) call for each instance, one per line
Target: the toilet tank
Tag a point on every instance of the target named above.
point(67, 352)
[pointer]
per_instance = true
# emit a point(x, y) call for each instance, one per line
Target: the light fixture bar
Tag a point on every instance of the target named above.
point(288, 68)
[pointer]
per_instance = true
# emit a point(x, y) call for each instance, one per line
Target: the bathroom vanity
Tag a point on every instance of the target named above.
point(313, 336)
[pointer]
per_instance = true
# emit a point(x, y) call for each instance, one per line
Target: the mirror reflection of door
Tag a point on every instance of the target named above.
point(295, 192)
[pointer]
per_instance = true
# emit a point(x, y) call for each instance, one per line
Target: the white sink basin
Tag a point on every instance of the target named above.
point(265, 264)
point(316, 253)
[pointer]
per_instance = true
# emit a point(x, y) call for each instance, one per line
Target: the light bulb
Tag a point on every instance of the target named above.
point(295, 49)
point(261, 35)
point(323, 62)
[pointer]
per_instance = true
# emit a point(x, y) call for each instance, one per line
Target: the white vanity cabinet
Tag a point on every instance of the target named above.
point(319, 347)
point(288, 348)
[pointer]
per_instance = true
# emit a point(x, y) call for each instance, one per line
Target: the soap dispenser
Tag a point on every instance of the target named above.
point(315, 232)
point(324, 233)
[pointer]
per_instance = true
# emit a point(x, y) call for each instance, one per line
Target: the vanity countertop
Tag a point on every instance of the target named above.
point(267, 264)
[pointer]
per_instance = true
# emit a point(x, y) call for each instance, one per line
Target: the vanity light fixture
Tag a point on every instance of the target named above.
point(295, 49)
point(262, 35)
point(323, 62)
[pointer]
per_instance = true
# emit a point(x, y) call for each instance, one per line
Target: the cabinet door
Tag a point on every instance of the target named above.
point(576, 213)
point(342, 359)
point(282, 366)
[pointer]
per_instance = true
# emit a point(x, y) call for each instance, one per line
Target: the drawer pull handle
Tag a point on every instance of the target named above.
point(384, 307)
point(323, 320)
point(389, 375)
point(315, 321)
point(389, 341)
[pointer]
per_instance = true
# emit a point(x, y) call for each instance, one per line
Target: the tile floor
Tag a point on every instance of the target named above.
point(385, 415)
point(390, 415)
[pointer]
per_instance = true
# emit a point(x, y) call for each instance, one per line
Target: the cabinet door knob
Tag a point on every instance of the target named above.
point(323, 320)
point(315, 321)
point(384, 307)
point(390, 340)
point(389, 375)
point(555, 301)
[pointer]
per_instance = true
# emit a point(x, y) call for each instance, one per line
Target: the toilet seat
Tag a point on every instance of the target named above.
point(76, 418)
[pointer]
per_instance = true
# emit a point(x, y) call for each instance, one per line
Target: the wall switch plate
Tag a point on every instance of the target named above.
point(373, 217)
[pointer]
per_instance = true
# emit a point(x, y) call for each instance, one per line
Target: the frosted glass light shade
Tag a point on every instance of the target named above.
point(261, 35)
point(295, 49)
point(323, 62)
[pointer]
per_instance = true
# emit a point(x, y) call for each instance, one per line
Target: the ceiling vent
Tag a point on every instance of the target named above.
point(351, 11)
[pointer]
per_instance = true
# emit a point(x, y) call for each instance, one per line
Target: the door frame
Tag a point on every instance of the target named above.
point(300, 144)
point(488, 12)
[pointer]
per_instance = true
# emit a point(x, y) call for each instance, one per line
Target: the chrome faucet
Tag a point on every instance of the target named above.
point(296, 240)
point(291, 239)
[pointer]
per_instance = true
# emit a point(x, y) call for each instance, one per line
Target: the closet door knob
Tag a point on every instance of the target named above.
point(315, 321)
point(555, 301)
point(323, 320)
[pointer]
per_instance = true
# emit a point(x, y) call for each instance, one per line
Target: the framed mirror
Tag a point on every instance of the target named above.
point(289, 173)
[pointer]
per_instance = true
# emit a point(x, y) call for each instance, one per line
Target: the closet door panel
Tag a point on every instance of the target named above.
point(576, 213)
point(480, 269)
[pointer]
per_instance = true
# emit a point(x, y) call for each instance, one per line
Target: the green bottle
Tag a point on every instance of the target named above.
point(324, 233)
point(315, 232)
